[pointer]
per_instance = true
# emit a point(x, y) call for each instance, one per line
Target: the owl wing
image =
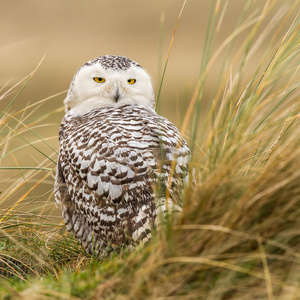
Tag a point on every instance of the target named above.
point(172, 156)
point(106, 178)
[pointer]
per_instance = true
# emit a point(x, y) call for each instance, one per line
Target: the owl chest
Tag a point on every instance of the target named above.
point(106, 139)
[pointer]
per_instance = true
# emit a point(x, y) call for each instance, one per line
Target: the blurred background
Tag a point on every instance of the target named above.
point(69, 33)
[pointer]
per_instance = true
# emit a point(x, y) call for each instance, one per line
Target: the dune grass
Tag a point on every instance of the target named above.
point(239, 234)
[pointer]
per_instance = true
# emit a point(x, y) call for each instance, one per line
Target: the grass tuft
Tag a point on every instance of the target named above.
point(238, 236)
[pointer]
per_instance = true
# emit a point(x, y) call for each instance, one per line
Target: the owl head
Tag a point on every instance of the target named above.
point(109, 81)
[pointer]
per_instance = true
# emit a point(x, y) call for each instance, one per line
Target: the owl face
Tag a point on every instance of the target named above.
point(109, 81)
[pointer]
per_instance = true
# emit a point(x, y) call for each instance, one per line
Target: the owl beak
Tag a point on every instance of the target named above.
point(117, 95)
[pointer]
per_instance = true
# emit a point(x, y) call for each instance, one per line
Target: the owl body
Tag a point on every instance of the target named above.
point(120, 164)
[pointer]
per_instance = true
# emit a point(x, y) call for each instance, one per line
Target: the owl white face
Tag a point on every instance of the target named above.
point(109, 81)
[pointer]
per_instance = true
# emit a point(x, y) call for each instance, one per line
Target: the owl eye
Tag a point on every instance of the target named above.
point(131, 81)
point(99, 79)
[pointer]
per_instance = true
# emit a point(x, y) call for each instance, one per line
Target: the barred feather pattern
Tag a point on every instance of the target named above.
point(116, 165)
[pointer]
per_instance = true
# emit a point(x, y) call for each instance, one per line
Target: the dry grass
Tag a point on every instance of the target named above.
point(239, 234)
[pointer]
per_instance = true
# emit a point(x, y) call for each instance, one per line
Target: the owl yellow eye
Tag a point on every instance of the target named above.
point(131, 81)
point(99, 79)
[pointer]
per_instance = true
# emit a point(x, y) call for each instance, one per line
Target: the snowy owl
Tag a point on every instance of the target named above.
point(121, 165)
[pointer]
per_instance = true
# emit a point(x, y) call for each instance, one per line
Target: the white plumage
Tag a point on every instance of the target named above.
point(116, 155)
